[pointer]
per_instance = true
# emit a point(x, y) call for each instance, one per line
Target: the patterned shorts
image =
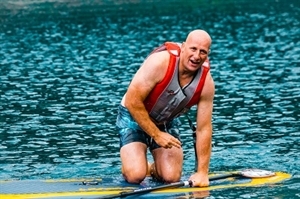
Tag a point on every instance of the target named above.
point(129, 130)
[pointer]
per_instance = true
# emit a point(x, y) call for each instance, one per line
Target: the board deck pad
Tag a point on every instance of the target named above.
point(90, 188)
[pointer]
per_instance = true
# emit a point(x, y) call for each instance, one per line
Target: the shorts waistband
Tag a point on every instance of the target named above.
point(123, 111)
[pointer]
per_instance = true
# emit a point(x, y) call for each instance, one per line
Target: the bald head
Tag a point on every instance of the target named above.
point(200, 36)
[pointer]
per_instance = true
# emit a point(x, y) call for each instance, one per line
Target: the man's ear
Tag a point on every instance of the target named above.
point(182, 46)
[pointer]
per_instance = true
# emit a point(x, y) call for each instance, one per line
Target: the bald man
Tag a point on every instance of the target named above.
point(172, 79)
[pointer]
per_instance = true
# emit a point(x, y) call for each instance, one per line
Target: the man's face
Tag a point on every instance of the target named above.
point(195, 52)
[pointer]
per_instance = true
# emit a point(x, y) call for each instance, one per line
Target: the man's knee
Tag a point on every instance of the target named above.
point(134, 176)
point(171, 177)
point(167, 176)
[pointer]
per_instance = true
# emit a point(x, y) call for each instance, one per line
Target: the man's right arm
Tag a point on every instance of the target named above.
point(150, 73)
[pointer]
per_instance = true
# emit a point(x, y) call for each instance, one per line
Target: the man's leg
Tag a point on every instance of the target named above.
point(167, 164)
point(134, 162)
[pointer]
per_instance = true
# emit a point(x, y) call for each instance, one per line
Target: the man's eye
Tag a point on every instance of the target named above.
point(203, 52)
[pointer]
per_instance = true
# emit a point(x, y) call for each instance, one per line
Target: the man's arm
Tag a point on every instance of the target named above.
point(150, 73)
point(204, 133)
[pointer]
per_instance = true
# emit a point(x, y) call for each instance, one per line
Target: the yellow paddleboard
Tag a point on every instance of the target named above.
point(81, 188)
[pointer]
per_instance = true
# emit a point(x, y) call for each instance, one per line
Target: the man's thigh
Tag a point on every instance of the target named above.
point(134, 159)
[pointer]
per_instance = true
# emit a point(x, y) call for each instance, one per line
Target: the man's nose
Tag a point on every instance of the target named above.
point(197, 56)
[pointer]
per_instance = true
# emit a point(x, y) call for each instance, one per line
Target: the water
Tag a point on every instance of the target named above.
point(64, 71)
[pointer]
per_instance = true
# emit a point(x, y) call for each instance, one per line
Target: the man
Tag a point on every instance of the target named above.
point(172, 79)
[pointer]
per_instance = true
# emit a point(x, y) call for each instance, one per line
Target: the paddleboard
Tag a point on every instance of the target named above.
point(91, 188)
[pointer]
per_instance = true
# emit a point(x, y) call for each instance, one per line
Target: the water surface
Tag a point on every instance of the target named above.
point(63, 75)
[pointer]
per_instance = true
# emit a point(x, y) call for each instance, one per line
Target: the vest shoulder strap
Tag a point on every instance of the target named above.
point(173, 48)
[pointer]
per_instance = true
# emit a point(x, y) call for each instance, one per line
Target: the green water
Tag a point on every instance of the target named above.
point(65, 66)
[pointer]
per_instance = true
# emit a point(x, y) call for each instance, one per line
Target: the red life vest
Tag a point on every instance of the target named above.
point(168, 99)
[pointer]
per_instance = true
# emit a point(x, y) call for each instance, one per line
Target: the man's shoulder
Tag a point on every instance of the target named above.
point(159, 58)
point(156, 65)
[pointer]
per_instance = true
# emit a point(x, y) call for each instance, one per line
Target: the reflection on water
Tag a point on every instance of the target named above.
point(62, 78)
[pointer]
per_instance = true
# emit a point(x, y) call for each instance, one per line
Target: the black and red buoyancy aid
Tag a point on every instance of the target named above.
point(168, 99)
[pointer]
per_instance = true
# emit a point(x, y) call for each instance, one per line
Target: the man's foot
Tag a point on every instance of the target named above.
point(152, 172)
point(149, 169)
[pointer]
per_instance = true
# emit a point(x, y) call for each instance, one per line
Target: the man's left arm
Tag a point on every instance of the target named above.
point(204, 133)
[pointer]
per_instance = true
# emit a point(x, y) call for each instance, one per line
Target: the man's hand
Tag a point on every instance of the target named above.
point(199, 180)
point(167, 141)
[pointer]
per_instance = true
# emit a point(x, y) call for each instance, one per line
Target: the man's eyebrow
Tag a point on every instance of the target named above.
point(200, 50)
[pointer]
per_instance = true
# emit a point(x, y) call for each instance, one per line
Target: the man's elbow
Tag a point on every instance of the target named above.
point(132, 103)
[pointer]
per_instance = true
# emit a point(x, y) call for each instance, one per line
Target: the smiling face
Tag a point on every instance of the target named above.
point(194, 50)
